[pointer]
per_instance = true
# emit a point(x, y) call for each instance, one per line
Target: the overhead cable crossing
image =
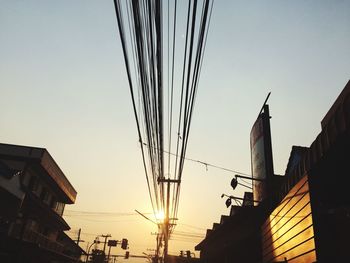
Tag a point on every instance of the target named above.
point(165, 41)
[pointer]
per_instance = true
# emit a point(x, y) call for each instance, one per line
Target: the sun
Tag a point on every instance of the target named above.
point(160, 215)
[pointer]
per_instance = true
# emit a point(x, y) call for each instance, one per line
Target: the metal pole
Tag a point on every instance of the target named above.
point(104, 245)
point(79, 232)
point(109, 252)
point(157, 250)
point(87, 257)
point(166, 224)
point(249, 178)
point(166, 240)
point(262, 108)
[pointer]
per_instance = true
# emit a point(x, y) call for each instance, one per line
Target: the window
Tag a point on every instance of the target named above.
point(59, 208)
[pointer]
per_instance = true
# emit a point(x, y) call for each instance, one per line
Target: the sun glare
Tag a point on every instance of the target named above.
point(160, 215)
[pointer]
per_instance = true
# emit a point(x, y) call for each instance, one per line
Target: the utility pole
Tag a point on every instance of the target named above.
point(166, 241)
point(109, 253)
point(78, 240)
point(79, 232)
point(158, 245)
point(156, 251)
point(166, 228)
point(104, 245)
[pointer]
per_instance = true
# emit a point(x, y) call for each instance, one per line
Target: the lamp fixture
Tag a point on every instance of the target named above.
point(234, 181)
point(230, 197)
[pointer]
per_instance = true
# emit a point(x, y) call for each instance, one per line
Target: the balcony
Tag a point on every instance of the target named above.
point(37, 244)
point(42, 241)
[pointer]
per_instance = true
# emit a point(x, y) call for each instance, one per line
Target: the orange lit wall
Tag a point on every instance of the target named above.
point(288, 233)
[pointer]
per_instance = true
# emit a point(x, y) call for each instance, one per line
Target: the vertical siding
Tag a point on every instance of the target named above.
point(288, 232)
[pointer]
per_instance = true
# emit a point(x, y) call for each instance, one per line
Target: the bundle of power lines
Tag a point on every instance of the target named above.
point(163, 45)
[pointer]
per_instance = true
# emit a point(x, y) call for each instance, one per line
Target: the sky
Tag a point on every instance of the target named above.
point(63, 87)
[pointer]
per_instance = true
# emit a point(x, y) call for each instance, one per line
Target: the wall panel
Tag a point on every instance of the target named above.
point(288, 232)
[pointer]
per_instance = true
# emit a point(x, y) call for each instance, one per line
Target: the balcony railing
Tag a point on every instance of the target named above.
point(43, 241)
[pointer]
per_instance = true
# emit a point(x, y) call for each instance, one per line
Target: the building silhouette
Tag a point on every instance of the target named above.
point(304, 216)
point(34, 192)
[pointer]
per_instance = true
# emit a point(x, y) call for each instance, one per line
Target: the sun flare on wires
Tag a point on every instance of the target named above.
point(163, 44)
point(160, 216)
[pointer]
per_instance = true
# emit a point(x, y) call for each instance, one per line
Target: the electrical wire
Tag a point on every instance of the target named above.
point(206, 164)
point(151, 77)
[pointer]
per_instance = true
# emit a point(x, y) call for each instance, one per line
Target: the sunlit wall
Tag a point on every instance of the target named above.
point(288, 233)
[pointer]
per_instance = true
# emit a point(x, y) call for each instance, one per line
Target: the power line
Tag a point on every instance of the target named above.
point(98, 213)
point(145, 25)
point(206, 164)
point(192, 226)
point(122, 34)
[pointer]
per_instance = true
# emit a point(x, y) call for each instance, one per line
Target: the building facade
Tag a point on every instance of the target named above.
point(305, 216)
point(33, 230)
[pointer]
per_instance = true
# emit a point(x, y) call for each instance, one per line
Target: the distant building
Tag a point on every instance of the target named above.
point(34, 192)
point(305, 215)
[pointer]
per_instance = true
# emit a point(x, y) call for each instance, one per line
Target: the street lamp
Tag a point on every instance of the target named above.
point(234, 181)
point(230, 197)
point(96, 241)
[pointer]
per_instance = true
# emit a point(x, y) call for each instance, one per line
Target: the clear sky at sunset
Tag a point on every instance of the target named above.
point(63, 87)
